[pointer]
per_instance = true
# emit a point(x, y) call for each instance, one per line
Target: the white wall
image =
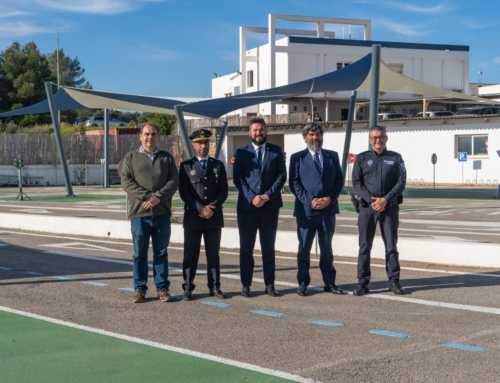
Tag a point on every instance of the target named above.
point(53, 175)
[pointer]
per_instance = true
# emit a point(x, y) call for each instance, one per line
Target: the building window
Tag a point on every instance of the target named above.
point(295, 108)
point(340, 65)
point(398, 68)
point(249, 78)
point(472, 145)
point(305, 108)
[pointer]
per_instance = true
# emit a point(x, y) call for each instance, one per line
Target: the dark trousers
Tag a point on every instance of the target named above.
point(192, 243)
point(266, 223)
point(367, 225)
point(307, 227)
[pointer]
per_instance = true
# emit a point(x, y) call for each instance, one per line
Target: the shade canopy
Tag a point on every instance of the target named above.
point(356, 76)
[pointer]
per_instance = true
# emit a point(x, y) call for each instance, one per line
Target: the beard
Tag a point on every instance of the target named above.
point(314, 146)
point(259, 140)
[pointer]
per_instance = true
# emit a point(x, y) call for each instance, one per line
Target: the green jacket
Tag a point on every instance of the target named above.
point(141, 178)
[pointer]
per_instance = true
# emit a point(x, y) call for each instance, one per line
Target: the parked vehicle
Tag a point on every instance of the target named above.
point(391, 116)
point(79, 122)
point(478, 110)
point(99, 120)
point(436, 113)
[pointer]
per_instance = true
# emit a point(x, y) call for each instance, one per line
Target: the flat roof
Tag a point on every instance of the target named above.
point(384, 44)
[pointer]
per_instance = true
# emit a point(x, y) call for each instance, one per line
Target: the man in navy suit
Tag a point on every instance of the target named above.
point(259, 174)
point(316, 180)
point(203, 188)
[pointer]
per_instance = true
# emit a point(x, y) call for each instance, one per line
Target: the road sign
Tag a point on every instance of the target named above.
point(352, 158)
point(434, 159)
point(462, 156)
point(476, 165)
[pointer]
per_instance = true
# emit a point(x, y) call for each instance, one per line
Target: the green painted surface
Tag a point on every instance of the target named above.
point(33, 350)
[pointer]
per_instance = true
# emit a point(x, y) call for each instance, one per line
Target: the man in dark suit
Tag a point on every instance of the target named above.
point(203, 188)
point(316, 180)
point(259, 175)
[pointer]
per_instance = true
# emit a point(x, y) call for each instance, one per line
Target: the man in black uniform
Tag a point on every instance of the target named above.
point(203, 188)
point(379, 178)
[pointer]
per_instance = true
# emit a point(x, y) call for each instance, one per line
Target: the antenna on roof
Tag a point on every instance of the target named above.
point(480, 81)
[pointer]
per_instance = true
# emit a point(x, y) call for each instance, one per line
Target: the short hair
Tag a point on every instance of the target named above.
point(257, 120)
point(312, 126)
point(150, 124)
point(377, 127)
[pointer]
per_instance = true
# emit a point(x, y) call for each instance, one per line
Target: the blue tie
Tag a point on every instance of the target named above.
point(203, 165)
point(317, 163)
point(259, 157)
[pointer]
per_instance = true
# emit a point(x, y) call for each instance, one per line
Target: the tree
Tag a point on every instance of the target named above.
point(164, 122)
point(23, 72)
point(70, 70)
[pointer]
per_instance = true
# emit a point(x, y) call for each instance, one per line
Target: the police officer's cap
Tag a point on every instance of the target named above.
point(200, 135)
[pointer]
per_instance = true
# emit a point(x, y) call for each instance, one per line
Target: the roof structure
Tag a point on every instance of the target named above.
point(356, 76)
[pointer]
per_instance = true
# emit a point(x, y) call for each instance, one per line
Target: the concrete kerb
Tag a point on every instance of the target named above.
point(429, 251)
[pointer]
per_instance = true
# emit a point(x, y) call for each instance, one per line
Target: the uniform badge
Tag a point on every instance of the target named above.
point(215, 171)
point(192, 172)
point(369, 162)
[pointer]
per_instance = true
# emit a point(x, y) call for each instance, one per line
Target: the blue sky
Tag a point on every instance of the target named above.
point(173, 47)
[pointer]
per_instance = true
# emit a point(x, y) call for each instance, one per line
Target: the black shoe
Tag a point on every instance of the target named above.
point(218, 293)
point(245, 291)
point(396, 288)
point(270, 290)
point(333, 289)
point(361, 289)
point(302, 290)
point(187, 296)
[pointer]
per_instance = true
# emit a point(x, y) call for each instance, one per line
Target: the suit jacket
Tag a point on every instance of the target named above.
point(306, 183)
point(198, 189)
point(251, 181)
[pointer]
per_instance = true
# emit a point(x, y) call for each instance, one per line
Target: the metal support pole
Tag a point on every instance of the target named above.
point(222, 137)
point(106, 148)
point(57, 133)
point(497, 194)
point(348, 132)
point(183, 129)
point(375, 86)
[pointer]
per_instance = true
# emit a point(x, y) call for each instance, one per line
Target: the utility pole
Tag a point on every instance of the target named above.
point(58, 75)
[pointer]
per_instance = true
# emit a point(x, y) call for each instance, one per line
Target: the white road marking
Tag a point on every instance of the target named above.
point(489, 310)
point(70, 208)
point(256, 255)
point(81, 246)
point(495, 213)
point(184, 351)
point(444, 231)
point(32, 211)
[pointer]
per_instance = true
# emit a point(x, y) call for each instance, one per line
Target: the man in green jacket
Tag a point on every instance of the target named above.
point(150, 179)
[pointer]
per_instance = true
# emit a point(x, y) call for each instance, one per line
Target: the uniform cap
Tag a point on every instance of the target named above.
point(200, 135)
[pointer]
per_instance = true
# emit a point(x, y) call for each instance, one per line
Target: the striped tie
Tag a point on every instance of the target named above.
point(317, 163)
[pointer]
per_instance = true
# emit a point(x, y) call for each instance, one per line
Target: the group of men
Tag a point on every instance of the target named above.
point(150, 178)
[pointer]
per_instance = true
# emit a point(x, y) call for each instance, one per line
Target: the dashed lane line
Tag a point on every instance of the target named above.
point(482, 309)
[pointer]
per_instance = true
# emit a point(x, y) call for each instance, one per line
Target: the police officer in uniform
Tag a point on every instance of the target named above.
point(379, 178)
point(203, 188)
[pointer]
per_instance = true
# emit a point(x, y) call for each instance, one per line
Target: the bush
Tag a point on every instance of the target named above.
point(10, 128)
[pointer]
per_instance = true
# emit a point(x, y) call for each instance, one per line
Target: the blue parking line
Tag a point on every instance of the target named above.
point(33, 273)
point(5, 268)
point(465, 347)
point(62, 278)
point(391, 333)
point(326, 323)
point(216, 304)
point(269, 313)
point(96, 283)
point(131, 289)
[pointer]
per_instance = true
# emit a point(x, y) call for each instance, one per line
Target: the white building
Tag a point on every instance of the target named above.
point(304, 54)
point(300, 55)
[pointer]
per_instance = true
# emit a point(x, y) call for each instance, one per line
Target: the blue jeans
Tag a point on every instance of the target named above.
point(158, 228)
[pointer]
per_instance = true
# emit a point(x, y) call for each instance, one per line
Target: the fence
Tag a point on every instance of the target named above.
point(42, 149)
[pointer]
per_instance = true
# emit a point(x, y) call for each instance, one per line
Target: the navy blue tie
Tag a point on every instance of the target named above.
point(317, 163)
point(203, 165)
point(259, 157)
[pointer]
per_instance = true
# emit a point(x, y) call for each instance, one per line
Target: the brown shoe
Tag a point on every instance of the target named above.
point(165, 296)
point(139, 296)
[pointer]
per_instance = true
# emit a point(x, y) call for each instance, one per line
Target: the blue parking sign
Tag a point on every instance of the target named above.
point(462, 156)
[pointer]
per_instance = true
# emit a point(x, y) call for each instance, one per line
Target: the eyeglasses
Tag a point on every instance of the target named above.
point(380, 138)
